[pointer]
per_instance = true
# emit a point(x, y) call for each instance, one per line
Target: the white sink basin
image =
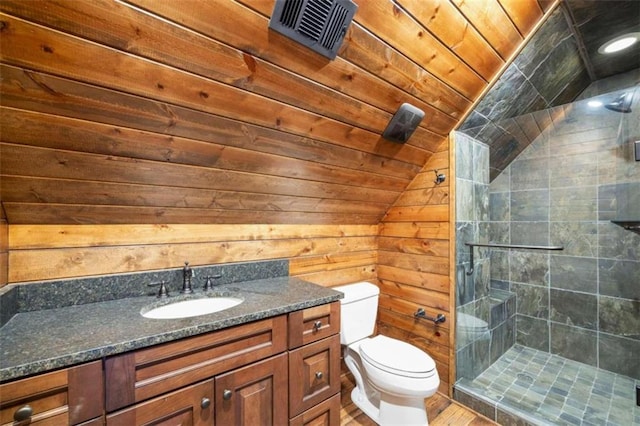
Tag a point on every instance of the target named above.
point(192, 307)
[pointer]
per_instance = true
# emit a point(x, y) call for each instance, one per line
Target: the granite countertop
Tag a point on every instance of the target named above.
point(39, 341)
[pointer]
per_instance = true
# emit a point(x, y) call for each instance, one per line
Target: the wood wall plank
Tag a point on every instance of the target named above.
point(414, 266)
point(63, 262)
point(62, 236)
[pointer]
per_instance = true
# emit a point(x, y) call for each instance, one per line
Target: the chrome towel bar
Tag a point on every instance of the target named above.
point(509, 246)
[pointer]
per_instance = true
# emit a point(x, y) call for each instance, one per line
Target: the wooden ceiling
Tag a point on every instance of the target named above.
point(189, 111)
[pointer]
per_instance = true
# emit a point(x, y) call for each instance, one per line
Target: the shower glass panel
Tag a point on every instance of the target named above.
point(553, 337)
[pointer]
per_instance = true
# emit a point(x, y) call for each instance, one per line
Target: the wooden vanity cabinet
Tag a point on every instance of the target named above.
point(279, 370)
point(70, 396)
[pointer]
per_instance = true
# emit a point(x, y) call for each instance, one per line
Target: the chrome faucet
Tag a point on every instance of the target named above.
point(187, 274)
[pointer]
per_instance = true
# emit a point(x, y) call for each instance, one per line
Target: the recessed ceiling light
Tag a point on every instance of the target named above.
point(619, 43)
point(594, 104)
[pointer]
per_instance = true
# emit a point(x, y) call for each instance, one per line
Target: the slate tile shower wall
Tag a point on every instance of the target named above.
point(475, 352)
point(582, 303)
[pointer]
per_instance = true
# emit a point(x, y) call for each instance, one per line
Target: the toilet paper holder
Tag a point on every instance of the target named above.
point(420, 313)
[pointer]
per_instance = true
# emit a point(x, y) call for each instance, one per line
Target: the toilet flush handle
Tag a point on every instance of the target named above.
point(420, 313)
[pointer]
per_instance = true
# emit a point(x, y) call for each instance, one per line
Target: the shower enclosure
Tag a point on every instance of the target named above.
point(553, 336)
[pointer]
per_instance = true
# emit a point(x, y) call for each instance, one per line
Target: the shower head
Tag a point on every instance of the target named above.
point(622, 103)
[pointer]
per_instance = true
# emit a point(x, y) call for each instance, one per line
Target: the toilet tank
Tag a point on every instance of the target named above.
point(358, 311)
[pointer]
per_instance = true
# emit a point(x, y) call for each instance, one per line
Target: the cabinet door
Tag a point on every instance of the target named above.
point(253, 395)
point(315, 374)
point(191, 406)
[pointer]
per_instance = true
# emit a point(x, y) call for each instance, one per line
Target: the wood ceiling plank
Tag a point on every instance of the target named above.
point(525, 14)
point(488, 17)
point(142, 34)
point(396, 27)
point(72, 135)
point(45, 93)
point(447, 24)
point(258, 40)
point(73, 58)
point(52, 95)
point(368, 52)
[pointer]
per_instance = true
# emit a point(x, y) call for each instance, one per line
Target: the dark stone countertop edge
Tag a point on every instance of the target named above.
point(70, 358)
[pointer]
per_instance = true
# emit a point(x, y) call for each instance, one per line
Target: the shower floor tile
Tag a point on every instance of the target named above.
point(546, 389)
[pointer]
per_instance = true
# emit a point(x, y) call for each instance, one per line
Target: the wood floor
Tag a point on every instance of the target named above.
point(440, 410)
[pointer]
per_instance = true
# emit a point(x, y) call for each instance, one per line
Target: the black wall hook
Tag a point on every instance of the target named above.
point(440, 177)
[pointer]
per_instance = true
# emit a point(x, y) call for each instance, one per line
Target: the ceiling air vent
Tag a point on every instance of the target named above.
point(403, 123)
point(318, 24)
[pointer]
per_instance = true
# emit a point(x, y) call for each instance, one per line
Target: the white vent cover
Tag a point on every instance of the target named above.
point(403, 123)
point(318, 24)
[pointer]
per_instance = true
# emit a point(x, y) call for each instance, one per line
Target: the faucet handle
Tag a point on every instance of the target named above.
point(208, 285)
point(162, 291)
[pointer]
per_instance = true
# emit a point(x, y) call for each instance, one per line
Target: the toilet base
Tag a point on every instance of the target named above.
point(402, 411)
point(365, 404)
point(391, 410)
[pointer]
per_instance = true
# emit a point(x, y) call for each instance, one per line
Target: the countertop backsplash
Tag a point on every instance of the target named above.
point(37, 296)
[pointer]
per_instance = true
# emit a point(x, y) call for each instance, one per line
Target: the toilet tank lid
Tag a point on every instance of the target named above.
point(357, 291)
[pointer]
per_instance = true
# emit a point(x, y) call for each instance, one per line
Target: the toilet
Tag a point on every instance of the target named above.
point(470, 329)
point(392, 377)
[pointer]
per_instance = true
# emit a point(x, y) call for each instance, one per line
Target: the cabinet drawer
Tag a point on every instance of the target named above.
point(327, 413)
point(145, 373)
point(314, 374)
point(68, 396)
point(312, 324)
point(192, 405)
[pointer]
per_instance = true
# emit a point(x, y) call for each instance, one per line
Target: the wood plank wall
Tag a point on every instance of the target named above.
point(324, 254)
point(414, 265)
point(138, 134)
point(145, 111)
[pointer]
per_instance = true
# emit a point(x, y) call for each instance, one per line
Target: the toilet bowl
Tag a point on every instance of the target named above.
point(470, 329)
point(392, 377)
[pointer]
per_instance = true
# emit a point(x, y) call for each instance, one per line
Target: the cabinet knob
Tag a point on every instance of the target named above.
point(318, 375)
point(317, 325)
point(227, 394)
point(23, 413)
point(205, 403)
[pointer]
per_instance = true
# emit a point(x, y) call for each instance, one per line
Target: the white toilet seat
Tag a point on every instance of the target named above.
point(396, 357)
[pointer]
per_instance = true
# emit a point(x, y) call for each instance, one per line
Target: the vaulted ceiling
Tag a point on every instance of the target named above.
point(558, 63)
point(190, 111)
